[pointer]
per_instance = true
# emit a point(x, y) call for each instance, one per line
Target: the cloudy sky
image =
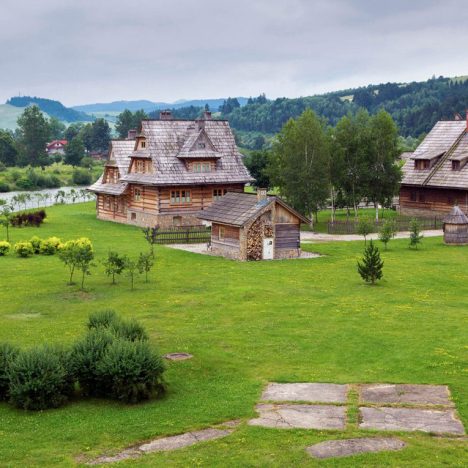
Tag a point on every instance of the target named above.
point(82, 51)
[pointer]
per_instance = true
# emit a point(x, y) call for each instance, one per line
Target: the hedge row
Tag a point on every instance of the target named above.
point(32, 218)
point(35, 245)
point(113, 360)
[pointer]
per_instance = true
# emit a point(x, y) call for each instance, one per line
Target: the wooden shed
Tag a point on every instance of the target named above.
point(456, 227)
point(254, 227)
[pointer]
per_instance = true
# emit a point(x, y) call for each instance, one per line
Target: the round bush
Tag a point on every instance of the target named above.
point(7, 354)
point(38, 379)
point(25, 183)
point(24, 249)
point(84, 358)
point(129, 330)
point(36, 242)
point(130, 371)
point(50, 246)
point(102, 318)
point(4, 187)
point(81, 177)
point(5, 248)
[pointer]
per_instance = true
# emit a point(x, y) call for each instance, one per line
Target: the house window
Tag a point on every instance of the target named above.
point(143, 144)
point(108, 203)
point(421, 164)
point(221, 233)
point(133, 216)
point(422, 197)
point(455, 165)
point(201, 167)
point(201, 145)
point(180, 197)
point(218, 193)
point(140, 166)
point(414, 196)
point(137, 194)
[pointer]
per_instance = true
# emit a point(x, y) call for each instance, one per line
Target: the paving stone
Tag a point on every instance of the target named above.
point(312, 392)
point(411, 419)
point(300, 416)
point(347, 447)
point(183, 440)
point(406, 394)
point(178, 356)
point(125, 455)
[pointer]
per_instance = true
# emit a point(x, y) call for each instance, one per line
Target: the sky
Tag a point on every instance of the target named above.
point(85, 51)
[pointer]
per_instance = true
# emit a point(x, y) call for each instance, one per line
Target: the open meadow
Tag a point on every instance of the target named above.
point(247, 324)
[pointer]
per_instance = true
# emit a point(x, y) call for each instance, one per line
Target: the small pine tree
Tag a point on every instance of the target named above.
point(364, 228)
point(371, 267)
point(145, 264)
point(415, 233)
point(387, 232)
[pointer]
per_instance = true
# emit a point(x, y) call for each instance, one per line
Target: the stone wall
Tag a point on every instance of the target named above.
point(226, 250)
point(287, 253)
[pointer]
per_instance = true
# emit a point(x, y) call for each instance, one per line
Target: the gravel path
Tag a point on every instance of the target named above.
point(312, 237)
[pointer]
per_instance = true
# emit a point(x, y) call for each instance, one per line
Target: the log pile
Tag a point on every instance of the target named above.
point(268, 230)
point(255, 241)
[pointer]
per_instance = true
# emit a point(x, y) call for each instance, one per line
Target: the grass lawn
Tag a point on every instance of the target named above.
point(246, 324)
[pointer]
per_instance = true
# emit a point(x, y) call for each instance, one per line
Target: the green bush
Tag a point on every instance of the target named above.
point(4, 187)
point(38, 379)
point(5, 247)
point(84, 358)
point(25, 183)
point(129, 330)
point(103, 318)
point(130, 371)
point(36, 242)
point(24, 249)
point(81, 177)
point(50, 246)
point(7, 354)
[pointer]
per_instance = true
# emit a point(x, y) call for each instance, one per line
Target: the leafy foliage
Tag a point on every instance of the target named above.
point(5, 248)
point(50, 246)
point(8, 353)
point(257, 162)
point(128, 120)
point(371, 266)
point(77, 255)
point(145, 264)
point(387, 231)
point(415, 233)
point(36, 242)
point(24, 249)
point(114, 264)
point(103, 318)
point(364, 228)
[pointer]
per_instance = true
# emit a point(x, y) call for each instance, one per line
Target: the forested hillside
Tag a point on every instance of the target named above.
point(53, 108)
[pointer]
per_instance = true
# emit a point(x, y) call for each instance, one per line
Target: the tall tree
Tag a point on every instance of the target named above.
point(74, 151)
point(34, 133)
point(8, 149)
point(257, 163)
point(124, 123)
point(101, 135)
point(300, 163)
point(73, 131)
point(57, 129)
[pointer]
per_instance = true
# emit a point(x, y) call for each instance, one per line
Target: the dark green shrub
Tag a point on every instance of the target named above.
point(38, 379)
point(84, 358)
point(81, 177)
point(103, 318)
point(7, 354)
point(130, 371)
point(25, 183)
point(130, 330)
point(4, 187)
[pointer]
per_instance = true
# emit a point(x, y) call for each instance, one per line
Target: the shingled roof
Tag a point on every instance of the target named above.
point(237, 209)
point(447, 141)
point(456, 216)
point(168, 142)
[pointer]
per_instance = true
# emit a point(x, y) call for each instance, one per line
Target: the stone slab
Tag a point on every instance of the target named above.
point(300, 416)
point(311, 392)
point(406, 394)
point(178, 356)
point(183, 440)
point(411, 419)
point(347, 447)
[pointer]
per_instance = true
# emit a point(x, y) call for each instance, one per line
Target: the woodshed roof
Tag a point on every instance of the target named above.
point(456, 216)
point(237, 209)
point(448, 141)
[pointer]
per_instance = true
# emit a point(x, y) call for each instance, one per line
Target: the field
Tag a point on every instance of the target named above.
point(246, 324)
point(9, 115)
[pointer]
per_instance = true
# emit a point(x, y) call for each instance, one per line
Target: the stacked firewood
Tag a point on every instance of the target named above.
point(268, 230)
point(255, 241)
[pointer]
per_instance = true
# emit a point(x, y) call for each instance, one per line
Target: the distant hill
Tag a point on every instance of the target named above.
point(9, 115)
point(148, 106)
point(52, 108)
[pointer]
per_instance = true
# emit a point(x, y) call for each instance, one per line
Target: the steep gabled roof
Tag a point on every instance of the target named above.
point(456, 216)
point(237, 209)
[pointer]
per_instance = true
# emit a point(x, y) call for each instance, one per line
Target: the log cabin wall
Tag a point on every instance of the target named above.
point(111, 207)
point(287, 236)
point(225, 241)
point(430, 201)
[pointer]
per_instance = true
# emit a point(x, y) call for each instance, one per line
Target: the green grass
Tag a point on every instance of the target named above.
point(9, 115)
point(246, 324)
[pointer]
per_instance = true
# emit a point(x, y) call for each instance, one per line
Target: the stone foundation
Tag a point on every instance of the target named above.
point(287, 253)
point(226, 250)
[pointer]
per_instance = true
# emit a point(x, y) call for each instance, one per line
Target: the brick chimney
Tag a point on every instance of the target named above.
point(261, 194)
point(207, 115)
point(131, 134)
point(165, 115)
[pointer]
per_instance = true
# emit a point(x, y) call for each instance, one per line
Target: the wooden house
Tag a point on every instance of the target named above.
point(456, 227)
point(435, 175)
point(56, 147)
point(254, 227)
point(170, 171)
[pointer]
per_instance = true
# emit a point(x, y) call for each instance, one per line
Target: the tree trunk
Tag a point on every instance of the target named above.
point(333, 205)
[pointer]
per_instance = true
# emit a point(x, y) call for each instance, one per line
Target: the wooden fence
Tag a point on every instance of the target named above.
point(184, 235)
point(402, 224)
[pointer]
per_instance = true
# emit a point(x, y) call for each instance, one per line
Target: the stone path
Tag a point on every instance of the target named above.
point(312, 237)
point(347, 447)
point(300, 416)
point(406, 394)
point(310, 392)
point(411, 419)
point(170, 443)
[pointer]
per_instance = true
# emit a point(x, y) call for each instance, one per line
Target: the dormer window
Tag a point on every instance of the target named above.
point(201, 145)
point(201, 167)
point(143, 144)
point(455, 165)
point(421, 164)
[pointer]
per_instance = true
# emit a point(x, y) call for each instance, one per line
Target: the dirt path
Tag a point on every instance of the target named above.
point(312, 237)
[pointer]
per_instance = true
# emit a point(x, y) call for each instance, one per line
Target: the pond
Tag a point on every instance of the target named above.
point(47, 197)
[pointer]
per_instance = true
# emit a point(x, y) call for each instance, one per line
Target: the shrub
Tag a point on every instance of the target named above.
point(36, 242)
point(129, 330)
point(33, 218)
point(7, 354)
point(4, 187)
point(25, 183)
point(38, 379)
point(103, 318)
point(84, 358)
point(371, 267)
point(5, 247)
point(130, 371)
point(50, 246)
point(24, 249)
point(81, 177)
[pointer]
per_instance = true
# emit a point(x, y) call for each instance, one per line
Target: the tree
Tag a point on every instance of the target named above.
point(5, 217)
point(257, 164)
point(145, 264)
point(74, 151)
point(371, 267)
point(151, 236)
point(415, 233)
point(387, 232)
point(8, 149)
point(124, 123)
point(364, 228)
point(100, 135)
point(56, 128)
point(77, 255)
point(299, 164)
point(73, 131)
point(131, 267)
point(114, 264)
point(34, 133)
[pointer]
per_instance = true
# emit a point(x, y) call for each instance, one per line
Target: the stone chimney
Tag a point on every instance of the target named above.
point(207, 115)
point(131, 134)
point(261, 194)
point(165, 115)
